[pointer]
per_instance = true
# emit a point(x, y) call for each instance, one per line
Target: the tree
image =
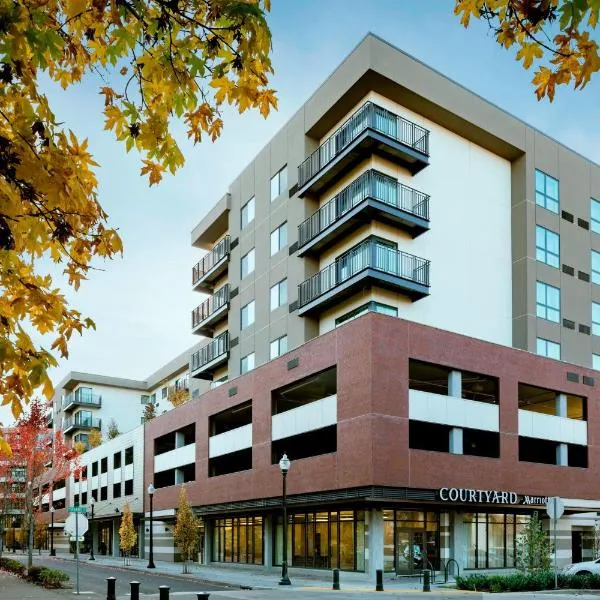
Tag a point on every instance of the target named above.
point(534, 551)
point(95, 438)
point(186, 529)
point(555, 35)
point(127, 534)
point(39, 535)
point(149, 412)
point(113, 430)
point(158, 62)
point(178, 396)
point(33, 448)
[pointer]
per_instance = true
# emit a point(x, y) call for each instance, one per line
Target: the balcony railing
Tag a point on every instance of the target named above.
point(82, 423)
point(369, 254)
point(371, 184)
point(219, 299)
point(218, 347)
point(83, 396)
point(368, 116)
point(211, 259)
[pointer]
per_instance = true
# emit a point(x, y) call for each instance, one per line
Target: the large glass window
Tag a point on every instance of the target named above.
point(247, 316)
point(238, 540)
point(548, 348)
point(595, 318)
point(278, 347)
point(492, 539)
point(247, 212)
point(546, 191)
point(279, 294)
point(595, 267)
point(278, 238)
point(278, 183)
point(247, 263)
point(596, 362)
point(547, 246)
point(548, 302)
point(247, 363)
point(595, 215)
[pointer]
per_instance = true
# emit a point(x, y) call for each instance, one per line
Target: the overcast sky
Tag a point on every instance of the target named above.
point(141, 304)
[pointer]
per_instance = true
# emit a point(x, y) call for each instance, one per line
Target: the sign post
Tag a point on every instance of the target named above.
point(555, 508)
point(76, 523)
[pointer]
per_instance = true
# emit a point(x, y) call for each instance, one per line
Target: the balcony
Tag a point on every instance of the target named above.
point(49, 418)
point(369, 263)
point(371, 196)
point(211, 312)
point(371, 129)
point(212, 266)
point(81, 397)
point(85, 423)
point(204, 362)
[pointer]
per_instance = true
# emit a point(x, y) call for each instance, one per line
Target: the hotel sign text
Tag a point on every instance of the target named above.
point(488, 497)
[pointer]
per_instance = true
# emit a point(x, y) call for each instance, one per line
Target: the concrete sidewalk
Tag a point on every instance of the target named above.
point(13, 588)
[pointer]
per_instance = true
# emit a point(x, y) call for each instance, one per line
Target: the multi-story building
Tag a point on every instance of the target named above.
point(425, 431)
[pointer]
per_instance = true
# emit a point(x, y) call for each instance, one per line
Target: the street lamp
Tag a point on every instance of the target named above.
point(151, 565)
point(284, 465)
point(52, 550)
point(92, 502)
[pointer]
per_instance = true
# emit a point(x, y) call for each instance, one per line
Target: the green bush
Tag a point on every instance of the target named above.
point(52, 578)
point(13, 566)
point(34, 573)
point(526, 582)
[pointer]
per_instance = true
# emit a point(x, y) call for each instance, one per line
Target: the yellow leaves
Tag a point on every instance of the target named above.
point(266, 101)
point(467, 9)
point(528, 53)
point(153, 170)
point(225, 89)
point(74, 7)
point(109, 95)
point(5, 449)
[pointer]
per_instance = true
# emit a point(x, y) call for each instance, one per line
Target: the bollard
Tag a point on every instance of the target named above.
point(163, 592)
point(202, 595)
point(426, 580)
point(110, 588)
point(135, 590)
point(336, 579)
point(379, 580)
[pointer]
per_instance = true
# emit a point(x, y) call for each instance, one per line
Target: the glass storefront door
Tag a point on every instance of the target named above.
point(410, 545)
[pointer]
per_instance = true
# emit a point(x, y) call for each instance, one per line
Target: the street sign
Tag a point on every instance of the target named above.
point(77, 509)
point(555, 507)
point(82, 524)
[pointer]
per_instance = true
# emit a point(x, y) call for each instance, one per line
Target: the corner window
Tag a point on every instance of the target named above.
point(247, 363)
point(372, 306)
point(278, 239)
point(595, 318)
point(595, 215)
point(247, 317)
point(548, 348)
point(548, 302)
point(247, 263)
point(546, 191)
point(247, 213)
point(547, 246)
point(279, 294)
point(278, 183)
point(278, 347)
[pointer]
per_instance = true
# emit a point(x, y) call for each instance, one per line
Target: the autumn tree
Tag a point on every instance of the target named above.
point(557, 36)
point(149, 412)
point(157, 62)
point(186, 529)
point(113, 430)
point(95, 438)
point(39, 534)
point(127, 533)
point(178, 396)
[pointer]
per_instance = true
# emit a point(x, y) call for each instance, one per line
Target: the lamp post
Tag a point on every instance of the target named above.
point(151, 565)
point(52, 550)
point(284, 465)
point(92, 503)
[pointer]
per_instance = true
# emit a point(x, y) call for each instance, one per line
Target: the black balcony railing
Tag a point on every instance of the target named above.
point(369, 254)
point(82, 422)
point(368, 116)
point(371, 184)
point(82, 396)
point(218, 347)
point(219, 299)
point(211, 259)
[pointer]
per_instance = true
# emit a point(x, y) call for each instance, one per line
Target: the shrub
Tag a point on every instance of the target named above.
point(52, 578)
point(34, 573)
point(526, 582)
point(13, 566)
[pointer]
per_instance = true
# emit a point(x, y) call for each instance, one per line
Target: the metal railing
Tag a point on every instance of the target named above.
point(219, 299)
point(368, 116)
point(369, 254)
point(82, 396)
point(87, 422)
point(211, 259)
point(371, 184)
point(216, 348)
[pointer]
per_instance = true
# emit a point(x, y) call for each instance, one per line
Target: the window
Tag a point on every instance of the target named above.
point(546, 191)
point(595, 215)
point(145, 399)
point(548, 302)
point(372, 306)
point(129, 487)
point(547, 246)
point(595, 267)
point(248, 314)
point(153, 399)
point(596, 362)
point(84, 498)
point(116, 490)
point(104, 465)
point(94, 469)
point(279, 294)
point(595, 318)
point(278, 238)
point(129, 455)
point(278, 183)
point(164, 392)
point(104, 493)
point(117, 460)
point(247, 212)
point(247, 363)
point(76, 499)
point(278, 347)
point(548, 348)
point(248, 263)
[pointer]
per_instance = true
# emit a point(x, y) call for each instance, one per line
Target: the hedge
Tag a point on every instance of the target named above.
point(49, 578)
point(526, 582)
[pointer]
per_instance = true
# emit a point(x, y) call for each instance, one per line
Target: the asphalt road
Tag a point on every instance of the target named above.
point(92, 579)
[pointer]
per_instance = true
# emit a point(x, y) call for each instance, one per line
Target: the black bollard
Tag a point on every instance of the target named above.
point(110, 588)
point(379, 580)
point(163, 592)
point(336, 579)
point(135, 590)
point(202, 595)
point(426, 580)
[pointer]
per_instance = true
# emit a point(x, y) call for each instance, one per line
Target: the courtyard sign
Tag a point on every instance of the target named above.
point(488, 497)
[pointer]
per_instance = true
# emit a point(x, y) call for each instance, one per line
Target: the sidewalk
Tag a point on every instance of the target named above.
point(13, 588)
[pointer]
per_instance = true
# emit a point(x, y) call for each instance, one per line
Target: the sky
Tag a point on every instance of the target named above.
point(141, 303)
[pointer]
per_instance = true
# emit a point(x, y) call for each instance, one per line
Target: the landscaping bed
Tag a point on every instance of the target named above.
point(48, 578)
point(527, 582)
